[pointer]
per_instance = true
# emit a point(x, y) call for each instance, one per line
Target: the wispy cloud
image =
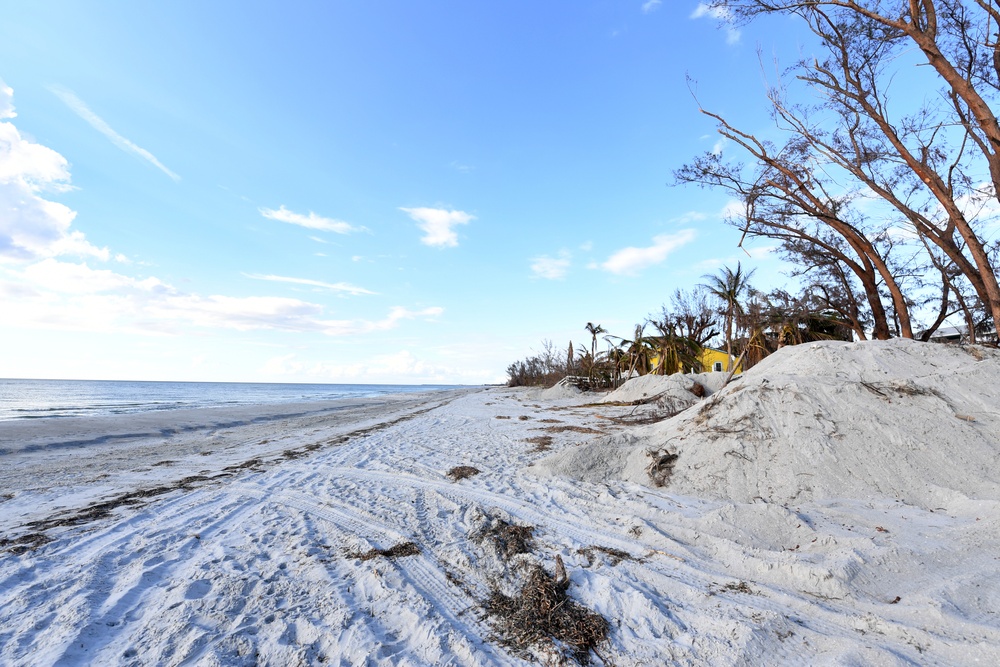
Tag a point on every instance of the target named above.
point(721, 14)
point(98, 123)
point(758, 253)
point(41, 290)
point(52, 294)
point(311, 221)
point(630, 261)
point(551, 268)
point(651, 6)
point(437, 225)
point(333, 287)
point(689, 217)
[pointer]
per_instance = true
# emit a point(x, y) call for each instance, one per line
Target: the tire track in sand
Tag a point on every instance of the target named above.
point(421, 572)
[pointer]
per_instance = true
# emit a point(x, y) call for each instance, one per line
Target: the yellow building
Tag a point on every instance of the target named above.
point(715, 360)
point(711, 360)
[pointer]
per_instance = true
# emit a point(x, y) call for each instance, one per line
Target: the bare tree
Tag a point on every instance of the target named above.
point(690, 315)
point(928, 164)
point(786, 199)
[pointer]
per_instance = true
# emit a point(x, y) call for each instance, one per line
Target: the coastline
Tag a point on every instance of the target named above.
point(88, 458)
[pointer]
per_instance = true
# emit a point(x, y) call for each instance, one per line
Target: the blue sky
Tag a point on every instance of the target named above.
point(353, 191)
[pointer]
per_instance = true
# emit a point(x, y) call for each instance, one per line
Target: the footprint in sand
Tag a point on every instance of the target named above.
point(198, 589)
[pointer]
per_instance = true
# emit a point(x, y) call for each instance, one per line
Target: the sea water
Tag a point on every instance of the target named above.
point(49, 399)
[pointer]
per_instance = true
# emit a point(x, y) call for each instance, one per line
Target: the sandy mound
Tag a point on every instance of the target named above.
point(678, 390)
point(560, 390)
point(568, 388)
point(899, 419)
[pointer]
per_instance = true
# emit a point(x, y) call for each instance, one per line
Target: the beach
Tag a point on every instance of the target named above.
point(771, 521)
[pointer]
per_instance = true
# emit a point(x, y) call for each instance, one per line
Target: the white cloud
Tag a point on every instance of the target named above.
point(73, 296)
point(551, 268)
point(733, 210)
point(311, 221)
point(979, 204)
point(239, 313)
point(651, 6)
point(401, 366)
point(762, 252)
point(39, 167)
point(83, 111)
point(390, 321)
point(690, 216)
point(6, 101)
point(333, 287)
point(759, 253)
point(69, 278)
point(719, 145)
point(31, 227)
point(629, 261)
point(721, 14)
point(284, 365)
point(437, 224)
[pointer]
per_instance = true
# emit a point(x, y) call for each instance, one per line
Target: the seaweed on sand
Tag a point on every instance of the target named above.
point(661, 467)
point(541, 442)
point(542, 615)
point(400, 550)
point(463, 472)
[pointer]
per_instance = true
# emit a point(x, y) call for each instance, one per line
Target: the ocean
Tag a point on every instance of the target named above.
point(52, 399)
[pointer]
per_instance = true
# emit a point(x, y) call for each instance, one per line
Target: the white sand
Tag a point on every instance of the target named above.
point(850, 525)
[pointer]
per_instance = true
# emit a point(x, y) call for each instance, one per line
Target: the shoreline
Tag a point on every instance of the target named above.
point(85, 459)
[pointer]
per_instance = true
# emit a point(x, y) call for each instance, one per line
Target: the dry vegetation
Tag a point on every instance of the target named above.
point(463, 472)
point(400, 550)
point(542, 615)
point(529, 607)
point(542, 443)
point(661, 466)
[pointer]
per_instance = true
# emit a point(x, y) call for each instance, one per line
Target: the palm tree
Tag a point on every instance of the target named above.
point(635, 353)
point(594, 330)
point(729, 287)
point(677, 353)
point(617, 360)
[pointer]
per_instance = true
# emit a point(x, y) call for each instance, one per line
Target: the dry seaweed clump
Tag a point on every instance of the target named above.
point(396, 551)
point(20, 545)
point(509, 539)
point(541, 442)
point(462, 472)
point(613, 555)
point(542, 616)
point(661, 467)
